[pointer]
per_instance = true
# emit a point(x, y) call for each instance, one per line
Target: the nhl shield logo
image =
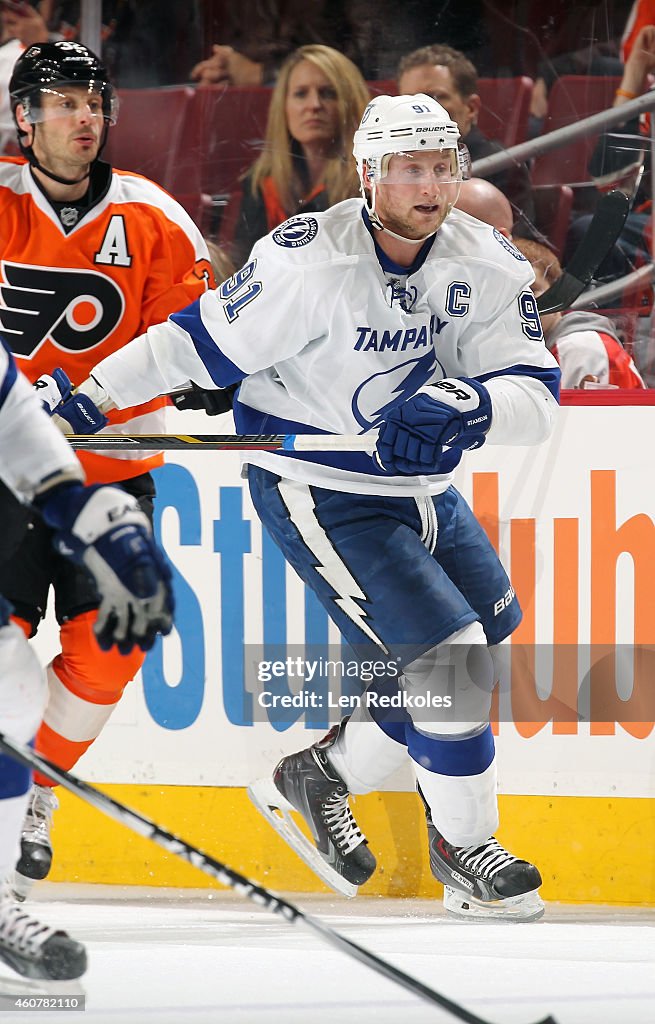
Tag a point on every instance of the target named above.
point(69, 216)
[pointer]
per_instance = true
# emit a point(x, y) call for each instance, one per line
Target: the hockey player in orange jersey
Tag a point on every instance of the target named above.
point(90, 258)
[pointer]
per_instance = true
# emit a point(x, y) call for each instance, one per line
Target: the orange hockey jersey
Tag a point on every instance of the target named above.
point(77, 285)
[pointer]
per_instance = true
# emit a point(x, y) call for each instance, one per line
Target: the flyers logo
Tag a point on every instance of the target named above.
point(75, 309)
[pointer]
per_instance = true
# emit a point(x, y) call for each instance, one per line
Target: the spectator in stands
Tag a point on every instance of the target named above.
point(21, 24)
point(618, 161)
point(481, 199)
point(452, 79)
point(599, 58)
point(585, 344)
point(145, 43)
point(255, 39)
point(307, 163)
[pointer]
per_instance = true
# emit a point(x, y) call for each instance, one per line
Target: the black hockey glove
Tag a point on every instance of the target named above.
point(213, 402)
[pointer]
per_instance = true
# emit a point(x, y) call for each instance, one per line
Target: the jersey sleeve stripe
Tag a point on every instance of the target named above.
point(220, 368)
point(549, 376)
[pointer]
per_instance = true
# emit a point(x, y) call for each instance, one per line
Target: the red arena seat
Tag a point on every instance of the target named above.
point(147, 136)
point(553, 205)
point(505, 108)
point(223, 135)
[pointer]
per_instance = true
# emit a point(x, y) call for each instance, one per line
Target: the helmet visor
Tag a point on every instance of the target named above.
point(60, 99)
point(418, 168)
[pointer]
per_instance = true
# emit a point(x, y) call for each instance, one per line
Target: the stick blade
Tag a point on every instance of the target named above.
point(605, 228)
point(601, 235)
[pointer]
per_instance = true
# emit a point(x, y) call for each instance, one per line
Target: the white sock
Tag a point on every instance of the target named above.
point(12, 815)
point(364, 755)
point(464, 808)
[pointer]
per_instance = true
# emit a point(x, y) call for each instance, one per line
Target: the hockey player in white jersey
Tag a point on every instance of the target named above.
point(399, 315)
point(103, 529)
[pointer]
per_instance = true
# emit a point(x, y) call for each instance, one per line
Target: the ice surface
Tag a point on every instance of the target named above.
point(192, 955)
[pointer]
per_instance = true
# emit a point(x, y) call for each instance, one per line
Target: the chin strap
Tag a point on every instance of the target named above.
point(55, 177)
point(379, 226)
point(408, 241)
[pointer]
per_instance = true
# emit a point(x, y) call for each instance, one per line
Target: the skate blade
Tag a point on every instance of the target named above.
point(17, 985)
point(527, 907)
point(275, 808)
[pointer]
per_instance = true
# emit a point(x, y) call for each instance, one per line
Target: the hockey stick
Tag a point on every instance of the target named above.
point(232, 879)
point(228, 442)
point(606, 226)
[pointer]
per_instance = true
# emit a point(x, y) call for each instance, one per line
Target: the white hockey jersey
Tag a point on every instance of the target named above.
point(330, 335)
point(32, 451)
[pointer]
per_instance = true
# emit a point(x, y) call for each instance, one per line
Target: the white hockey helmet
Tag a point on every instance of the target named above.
point(401, 124)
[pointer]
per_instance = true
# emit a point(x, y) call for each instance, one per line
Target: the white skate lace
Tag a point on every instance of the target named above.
point(19, 930)
point(341, 825)
point(486, 860)
point(38, 821)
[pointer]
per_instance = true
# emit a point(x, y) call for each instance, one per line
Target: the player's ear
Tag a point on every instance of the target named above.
point(24, 125)
point(473, 104)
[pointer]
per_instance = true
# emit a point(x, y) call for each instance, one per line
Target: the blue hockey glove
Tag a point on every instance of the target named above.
point(454, 411)
point(53, 389)
point(73, 413)
point(104, 529)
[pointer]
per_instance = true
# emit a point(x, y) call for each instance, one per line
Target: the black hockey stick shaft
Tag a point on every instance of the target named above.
point(602, 233)
point(229, 877)
point(225, 442)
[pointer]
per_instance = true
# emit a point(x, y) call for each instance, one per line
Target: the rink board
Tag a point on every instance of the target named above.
point(573, 522)
point(589, 849)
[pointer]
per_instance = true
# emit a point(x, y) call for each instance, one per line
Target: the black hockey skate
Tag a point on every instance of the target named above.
point(36, 848)
point(484, 882)
point(35, 950)
point(306, 782)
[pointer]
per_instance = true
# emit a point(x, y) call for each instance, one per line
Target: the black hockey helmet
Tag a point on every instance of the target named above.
point(62, 63)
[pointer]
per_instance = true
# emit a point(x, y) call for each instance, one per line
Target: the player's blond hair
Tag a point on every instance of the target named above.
point(281, 152)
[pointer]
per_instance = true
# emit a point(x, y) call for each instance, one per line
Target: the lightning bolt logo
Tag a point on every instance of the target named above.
point(297, 498)
point(377, 395)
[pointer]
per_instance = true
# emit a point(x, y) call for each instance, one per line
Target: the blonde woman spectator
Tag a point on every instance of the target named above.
point(21, 24)
point(307, 162)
